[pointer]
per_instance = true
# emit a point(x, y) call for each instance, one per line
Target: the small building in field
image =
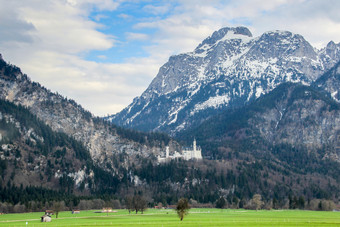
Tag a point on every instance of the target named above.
point(46, 218)
point(49, 212)
point(106, 210)
point(171, 207)
point(75, 211)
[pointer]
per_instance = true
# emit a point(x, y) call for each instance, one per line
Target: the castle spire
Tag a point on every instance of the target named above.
point(194, 144)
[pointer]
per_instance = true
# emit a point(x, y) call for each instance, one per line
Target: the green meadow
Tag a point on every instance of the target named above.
point(196, 217)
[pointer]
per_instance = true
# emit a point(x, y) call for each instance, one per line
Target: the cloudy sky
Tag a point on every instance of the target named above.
point(103, 53)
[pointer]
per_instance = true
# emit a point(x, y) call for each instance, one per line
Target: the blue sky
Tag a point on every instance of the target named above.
point(103, 53)
point(129, 42)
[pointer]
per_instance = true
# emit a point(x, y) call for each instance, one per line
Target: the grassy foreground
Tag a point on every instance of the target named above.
point(196, 217)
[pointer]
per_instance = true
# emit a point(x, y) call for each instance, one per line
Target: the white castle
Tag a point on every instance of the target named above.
point(188, 153)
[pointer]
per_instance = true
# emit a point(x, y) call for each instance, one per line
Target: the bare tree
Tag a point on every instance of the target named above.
point(85, 204)
point(182, 208)
point(321, 204)
point(6, 208)
point(142, 204)
point(326, 205)
point(19, 208)
point(58, 206)
point(160, 205)
point(98, 203)
point(256, 202)
point(129, 203)
point(139, 203)
point(116, 204)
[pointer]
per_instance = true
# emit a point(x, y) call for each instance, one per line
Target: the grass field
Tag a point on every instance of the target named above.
point(196, 217)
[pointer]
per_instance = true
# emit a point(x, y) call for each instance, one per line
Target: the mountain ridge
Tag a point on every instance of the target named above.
point(125, 162)
point(294, 128)
point(35, 155)
point(106, 143)
point(227, 70)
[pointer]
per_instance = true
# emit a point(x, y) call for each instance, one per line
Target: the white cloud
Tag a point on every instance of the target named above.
point(136, 36)
point(157, 10)
point(194, 20)
point(125, 16)
point(317, 21)
point(102, 57)
point(62, 28)
point(99, 87)
point(13, 27)
point(98, 4)
point(47, 39)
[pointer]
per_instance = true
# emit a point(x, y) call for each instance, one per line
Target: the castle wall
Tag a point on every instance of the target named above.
point(187, 154)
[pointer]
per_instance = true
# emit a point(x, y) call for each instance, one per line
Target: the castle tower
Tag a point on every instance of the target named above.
point(194, 145)
point(197, 151)
point(167, 151)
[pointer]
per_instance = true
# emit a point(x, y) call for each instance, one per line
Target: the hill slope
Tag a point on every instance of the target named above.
point(292, 115)
point(32, 154)
point(110, 147)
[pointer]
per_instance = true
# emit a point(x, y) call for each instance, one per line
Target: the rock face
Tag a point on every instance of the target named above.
point(330, 54)
point(31, 154)
point(103, 141)
point(301, 117)
point(227, 70)
point(293, 115)
point(330, 82)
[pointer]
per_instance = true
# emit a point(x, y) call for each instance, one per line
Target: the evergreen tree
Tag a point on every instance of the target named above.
point(221, 202)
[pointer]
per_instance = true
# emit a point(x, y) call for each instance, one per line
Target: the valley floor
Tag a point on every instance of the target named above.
point(196, 217)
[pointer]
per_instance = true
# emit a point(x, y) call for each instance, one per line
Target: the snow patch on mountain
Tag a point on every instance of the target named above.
point(228, 69)
point(334, 94)
point(211, 102)
point(232, 35)
point(259, 92)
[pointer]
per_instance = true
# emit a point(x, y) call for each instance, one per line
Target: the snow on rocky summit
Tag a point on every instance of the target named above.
point(227, 70)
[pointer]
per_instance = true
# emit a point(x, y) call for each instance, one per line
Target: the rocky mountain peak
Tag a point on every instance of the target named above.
point(226, 33)
point(330, 54)
point(330, 82)
point(331, 45)
point(282, 44)
point(228, 69)
point(332, 49)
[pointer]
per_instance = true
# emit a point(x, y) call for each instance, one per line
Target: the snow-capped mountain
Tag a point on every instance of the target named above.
point(227, 70)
